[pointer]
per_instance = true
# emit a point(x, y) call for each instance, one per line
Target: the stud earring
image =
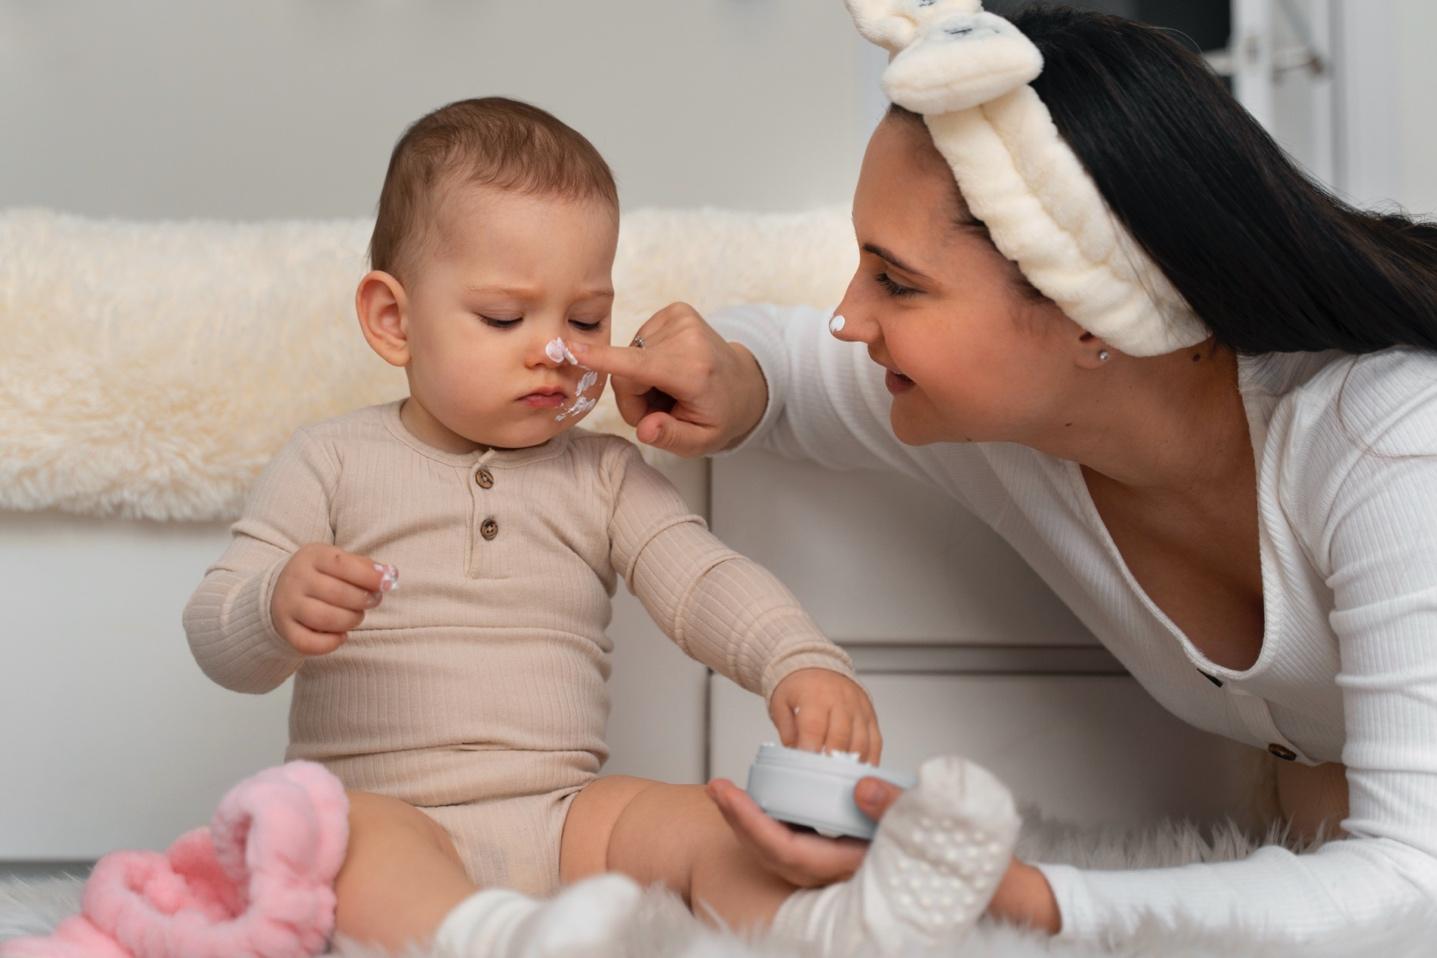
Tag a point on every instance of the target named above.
point(1104, 355)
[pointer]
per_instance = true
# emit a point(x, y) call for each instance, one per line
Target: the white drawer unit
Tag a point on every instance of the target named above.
point(110, 736)
point(882, 558)
point(1081, 748)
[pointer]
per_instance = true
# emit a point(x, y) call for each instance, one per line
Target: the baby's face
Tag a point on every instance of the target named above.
point(510, 274)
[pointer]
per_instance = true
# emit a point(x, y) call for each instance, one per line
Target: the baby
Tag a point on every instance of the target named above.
point(465, 709)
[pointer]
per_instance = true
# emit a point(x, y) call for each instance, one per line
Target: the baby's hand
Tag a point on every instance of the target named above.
point(821, 710)
point(323, 592)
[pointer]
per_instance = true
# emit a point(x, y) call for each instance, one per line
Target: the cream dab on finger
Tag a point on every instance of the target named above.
point(389, 576)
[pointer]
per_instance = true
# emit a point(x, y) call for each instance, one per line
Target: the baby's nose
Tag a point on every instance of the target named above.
point(555, 352)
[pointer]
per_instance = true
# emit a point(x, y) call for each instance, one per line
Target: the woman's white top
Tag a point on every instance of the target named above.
point(1346, 454)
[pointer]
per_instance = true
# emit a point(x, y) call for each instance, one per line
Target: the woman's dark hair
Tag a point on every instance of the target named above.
point(1269, 260)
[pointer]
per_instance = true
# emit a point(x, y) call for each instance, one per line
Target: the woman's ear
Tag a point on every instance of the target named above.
point(381, 303)
point(1090, 352)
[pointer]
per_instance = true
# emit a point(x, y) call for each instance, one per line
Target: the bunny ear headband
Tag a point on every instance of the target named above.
point(967, 72)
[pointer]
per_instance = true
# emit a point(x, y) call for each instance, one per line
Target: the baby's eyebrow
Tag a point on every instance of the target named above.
point(528, 292)
point(520, 291)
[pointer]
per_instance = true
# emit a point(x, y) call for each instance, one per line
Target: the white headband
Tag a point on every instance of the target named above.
point(967, 73)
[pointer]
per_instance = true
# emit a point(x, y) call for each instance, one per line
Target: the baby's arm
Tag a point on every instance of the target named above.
point(256, 614)
point(734, 616)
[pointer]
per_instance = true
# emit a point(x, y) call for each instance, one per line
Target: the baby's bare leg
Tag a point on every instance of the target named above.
point(674, 835)
point(401, 874)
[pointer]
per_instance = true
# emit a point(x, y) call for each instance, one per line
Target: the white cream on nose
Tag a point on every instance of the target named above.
point(558, 351)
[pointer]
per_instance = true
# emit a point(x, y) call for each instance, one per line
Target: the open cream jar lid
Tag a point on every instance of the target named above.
point(816, 790)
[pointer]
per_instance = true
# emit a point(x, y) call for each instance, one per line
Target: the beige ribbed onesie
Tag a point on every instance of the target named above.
point(476, 690)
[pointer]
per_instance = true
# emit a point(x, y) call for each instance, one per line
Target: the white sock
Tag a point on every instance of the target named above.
point(937, 858)
point(499, 923)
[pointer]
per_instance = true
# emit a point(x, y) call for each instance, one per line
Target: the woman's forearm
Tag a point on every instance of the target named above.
point(752, 393)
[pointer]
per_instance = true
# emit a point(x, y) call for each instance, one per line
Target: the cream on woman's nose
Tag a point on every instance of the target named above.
point(836, 324)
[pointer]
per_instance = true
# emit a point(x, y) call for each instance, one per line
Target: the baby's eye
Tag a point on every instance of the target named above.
point(893, 289)
point(586, 327)
point(500, 322)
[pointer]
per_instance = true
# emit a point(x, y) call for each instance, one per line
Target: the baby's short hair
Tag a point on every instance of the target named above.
point(491, 141)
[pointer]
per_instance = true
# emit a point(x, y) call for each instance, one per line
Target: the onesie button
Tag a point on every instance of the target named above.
point(485, 478)
point(489, 529)
point(1282, 752)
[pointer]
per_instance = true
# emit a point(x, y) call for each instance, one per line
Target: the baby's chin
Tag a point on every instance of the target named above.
point(526, 435)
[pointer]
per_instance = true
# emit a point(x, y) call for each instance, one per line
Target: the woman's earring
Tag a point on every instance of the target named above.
point(1104, 355)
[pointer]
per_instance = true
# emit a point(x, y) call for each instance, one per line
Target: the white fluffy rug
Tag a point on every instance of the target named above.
point(151, 369)
point(664, 928)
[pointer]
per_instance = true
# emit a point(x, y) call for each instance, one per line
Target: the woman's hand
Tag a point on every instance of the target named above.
point(819, 710)
point(687, 390)
point(806, 860)
point(800, 858)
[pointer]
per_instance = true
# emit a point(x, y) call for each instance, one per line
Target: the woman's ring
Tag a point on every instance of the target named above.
point(638, 342)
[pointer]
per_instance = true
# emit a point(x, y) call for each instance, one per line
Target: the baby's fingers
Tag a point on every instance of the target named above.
point(875, 740)
point(341, 594)
point(839, 737)
point(359, 571)
point(859, 743)
point(309, 642)
point(783, 720)
point(320, 616)
point(812, 728)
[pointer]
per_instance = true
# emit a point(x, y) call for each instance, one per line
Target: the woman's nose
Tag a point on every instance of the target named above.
point(850, 322)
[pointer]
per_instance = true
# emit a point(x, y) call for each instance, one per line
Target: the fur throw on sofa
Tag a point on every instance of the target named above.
point(150, 370)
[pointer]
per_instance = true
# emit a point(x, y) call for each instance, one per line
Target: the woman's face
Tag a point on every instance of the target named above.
point(971, 355)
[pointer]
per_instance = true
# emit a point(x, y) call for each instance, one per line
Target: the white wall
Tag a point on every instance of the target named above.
point(282, 108)
point(1416, 185)
point(1387, 147)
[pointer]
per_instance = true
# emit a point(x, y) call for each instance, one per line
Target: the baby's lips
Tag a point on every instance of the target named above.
point(389, 576)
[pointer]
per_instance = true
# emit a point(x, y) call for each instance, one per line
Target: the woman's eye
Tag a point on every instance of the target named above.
point(586, 327)
point(892, 288)
point(499, 322)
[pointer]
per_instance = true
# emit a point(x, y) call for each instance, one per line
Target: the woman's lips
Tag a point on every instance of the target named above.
point(897, 382)
point(543, 400)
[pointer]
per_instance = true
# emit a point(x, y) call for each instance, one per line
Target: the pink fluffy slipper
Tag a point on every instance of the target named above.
point(258, 882)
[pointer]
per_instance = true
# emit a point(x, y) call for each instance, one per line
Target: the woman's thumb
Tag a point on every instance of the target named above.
point(663, 431)
point(873, 796)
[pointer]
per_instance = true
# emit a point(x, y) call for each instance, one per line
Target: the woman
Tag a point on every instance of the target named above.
point(1198, 395)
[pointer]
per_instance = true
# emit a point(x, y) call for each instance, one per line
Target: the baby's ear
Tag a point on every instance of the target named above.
point(380, 303)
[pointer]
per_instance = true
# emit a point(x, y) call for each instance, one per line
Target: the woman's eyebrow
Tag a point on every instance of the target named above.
point(882, 253)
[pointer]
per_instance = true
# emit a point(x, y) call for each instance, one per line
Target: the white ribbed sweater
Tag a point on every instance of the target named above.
point(1347, 499)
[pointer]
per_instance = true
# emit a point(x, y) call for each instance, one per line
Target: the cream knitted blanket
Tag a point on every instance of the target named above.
point(149, 370)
